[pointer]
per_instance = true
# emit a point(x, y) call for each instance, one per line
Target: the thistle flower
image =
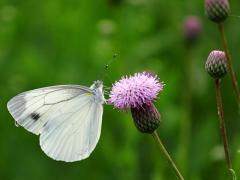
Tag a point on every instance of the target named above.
point(217, 10)
point(216, 65)
point(192, 28)
point(138, 93)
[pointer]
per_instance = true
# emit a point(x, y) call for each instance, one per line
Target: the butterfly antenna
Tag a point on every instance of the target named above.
point(106, 67)
point(232, 15)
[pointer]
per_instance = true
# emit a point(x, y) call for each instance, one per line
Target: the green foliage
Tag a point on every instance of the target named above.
point(52, 42)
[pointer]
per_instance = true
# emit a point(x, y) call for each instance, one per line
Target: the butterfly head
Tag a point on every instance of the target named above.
point(97, 88)
point(97, 85)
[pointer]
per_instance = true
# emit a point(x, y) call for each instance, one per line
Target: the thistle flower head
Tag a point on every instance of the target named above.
point(137, 93)
point(217, 10)
point(134, 91)
point(216, 65)
point(192, 28)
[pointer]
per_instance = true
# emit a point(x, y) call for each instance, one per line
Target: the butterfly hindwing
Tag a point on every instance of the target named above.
point(72, 139)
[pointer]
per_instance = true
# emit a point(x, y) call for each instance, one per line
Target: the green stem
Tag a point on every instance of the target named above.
point(223, 130)
point(166, 154)
point(229, 62)
point(186, 120)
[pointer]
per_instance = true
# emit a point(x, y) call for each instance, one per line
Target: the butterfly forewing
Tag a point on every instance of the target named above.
point(28, 107)
point(67, 117)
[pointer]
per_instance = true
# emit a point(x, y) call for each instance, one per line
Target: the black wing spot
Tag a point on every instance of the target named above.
point(35, 116)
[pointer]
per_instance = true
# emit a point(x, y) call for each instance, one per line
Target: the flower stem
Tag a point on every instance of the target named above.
point(229, 62)
point(166, 154)
point(223, 130)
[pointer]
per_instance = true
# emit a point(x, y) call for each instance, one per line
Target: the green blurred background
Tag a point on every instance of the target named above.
point(52, 42)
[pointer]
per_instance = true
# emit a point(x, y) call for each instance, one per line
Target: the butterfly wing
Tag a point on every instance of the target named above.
point(27, 108)
point(67, 118)
point(73, 135)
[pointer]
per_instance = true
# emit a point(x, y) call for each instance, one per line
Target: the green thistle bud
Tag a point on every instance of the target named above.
point(216, 64)
point(146, 118)
point(217, 10)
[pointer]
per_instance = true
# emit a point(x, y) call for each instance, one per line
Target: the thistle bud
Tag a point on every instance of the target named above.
point(192, 28)
point(216, 64)
point(217, 10)
point(146, 118)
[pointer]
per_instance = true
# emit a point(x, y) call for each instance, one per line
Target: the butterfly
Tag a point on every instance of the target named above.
point(67, 118)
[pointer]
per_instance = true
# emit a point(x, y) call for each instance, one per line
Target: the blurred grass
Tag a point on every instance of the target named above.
point(69, 42)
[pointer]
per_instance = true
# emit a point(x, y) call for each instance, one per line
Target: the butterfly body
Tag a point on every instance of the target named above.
point(67, 118)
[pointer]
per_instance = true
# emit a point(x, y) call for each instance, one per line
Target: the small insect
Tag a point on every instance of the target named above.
point(67, 118)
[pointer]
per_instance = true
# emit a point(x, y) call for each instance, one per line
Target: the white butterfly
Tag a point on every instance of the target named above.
point(68, 118)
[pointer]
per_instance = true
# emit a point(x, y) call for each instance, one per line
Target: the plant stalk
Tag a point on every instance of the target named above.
point(166, 154)
point(229, 62)
point(223, 130)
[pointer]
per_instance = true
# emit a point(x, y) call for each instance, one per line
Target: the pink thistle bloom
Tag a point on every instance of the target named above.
point(134, 91)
